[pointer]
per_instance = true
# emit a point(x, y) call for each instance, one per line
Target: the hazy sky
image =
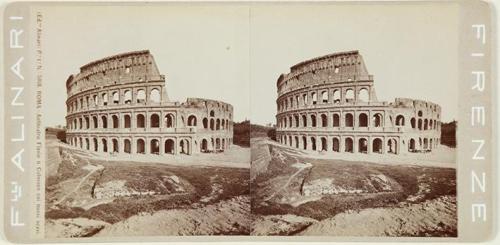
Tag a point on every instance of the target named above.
point(221, 53)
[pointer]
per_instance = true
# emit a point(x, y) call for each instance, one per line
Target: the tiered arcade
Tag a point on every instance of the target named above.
point(119, 104)
point(329, 104)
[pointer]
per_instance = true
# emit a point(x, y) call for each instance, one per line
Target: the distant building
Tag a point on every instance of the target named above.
point(120, 104)
point(329, 104)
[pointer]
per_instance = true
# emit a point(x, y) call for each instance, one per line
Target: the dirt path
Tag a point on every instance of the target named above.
point(92, 169)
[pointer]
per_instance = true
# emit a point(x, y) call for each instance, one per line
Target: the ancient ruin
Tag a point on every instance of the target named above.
point(329, 104)
point(119, 104)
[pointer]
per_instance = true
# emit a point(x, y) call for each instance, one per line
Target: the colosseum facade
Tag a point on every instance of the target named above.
point(119, 104)
point(329, 104)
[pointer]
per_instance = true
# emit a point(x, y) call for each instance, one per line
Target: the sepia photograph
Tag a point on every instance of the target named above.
point(145, 122)
point(355, 133)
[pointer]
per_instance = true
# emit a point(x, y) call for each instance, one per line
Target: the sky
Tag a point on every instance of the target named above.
point(236, 53)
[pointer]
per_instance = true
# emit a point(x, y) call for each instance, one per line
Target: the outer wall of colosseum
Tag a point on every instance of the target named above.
point(120, 104)
point(329, 104)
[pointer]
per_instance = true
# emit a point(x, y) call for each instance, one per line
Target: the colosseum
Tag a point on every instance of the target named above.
point(119, 104)
point(329, 104)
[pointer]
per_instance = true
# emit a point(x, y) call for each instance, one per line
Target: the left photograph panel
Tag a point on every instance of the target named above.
point(146, 130)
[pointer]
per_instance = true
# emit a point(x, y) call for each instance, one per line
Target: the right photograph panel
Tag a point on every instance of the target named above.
point(354, 112)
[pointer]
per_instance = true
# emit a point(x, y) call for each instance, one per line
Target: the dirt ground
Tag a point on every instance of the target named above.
point(299, 193)
point(91, 194)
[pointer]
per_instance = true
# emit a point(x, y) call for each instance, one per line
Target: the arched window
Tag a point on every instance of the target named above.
point(413, 123)
point(363, 145)
point(205, 123)
point(212, 124)
point(324, 120)
point(324, 96)
point(297, 124)
point(377, 145)
point(115, 121)
point(363, 120)
point(304, 99)
point(336, 145)
point(127, 97)
point(314, 98)
point(126, 119)
point(217, 124)
point(336, 97)
point(363, 95)
point(141, 96)
point(126, 146)
point(304, 121)
point(116, 98)
point(141, 146)
point(104, 122)
point(169, 121)
point(426, 124)
point(115, 145)
point(95, 122)
point(324, 145)
point(400, 120)
point(377, 120)
point(94, 98)
point(192, 120)
point(154, 146)
point(212, 113)
point(420, 124)
point(155, 95)
point(140, 120)
point(304, 142)
point(96, 144)
point(349, 120)
point(313, 120)
point(313, 143)
point(155, 121)
point(169, 146)
point(104, 99)
point(349, 95)
point(87, 122)
point(336, 120)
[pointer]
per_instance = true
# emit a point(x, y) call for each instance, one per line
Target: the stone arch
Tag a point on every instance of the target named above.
point(114, 142)
point(116, 98)
point(324, 96)
point(377, 120)
point(336, 120)
point(127, 97)
point(336, 96)
point(419, 113)
point(400, 120)
point(413, 123)
point(96, 144)
point(297, 123)
point(324, 120)
point(169, 146)
point(204, 145)
point(169, 120)
point(304, 121)
point(115, 120)
point(212, 124)
point(95, 122)
point(324, 144)
point(205, 123)
point(304, 99)
point(192, 120)
point(313, 143)
point(212, 113)
point(141, 96)
point(104, 145)
point(140, 146)
point(426, 143)
point(430, 124)
point(377, 145)
point(335, 144)
point(314, 97)
point(154, 146)
point(349, 145)
point(217, 144)
point(154, 121)
point(80, 142)
point(127, 122)
point(363, 145)
point(290, 140)
point(154, 95)
point(297, 142)
point(412, 145)
point(304, 142)
point(419, 124)
point(349, 120)
point(363, 120)
point(87, 122)
point(104, 99)
point(184, 146)
point(392, 146)
point(140, 121)
point(313, 120)
point(104, 120)
point(349, 95)
point(217, 124)
point(127, 147)
point(363, 95)
point(430, 144)
point(87, 144)
point(426, 124)
point(80, 123)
